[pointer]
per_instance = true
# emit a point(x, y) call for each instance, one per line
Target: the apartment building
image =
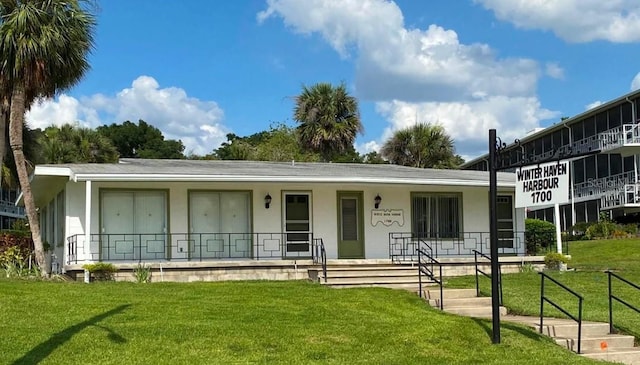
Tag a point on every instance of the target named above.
point(9, 212)
point(605, 179)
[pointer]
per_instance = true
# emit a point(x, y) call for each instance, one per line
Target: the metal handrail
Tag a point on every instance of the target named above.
point(620, 300)
point(423, 268)
point(487, 275)
point(320, 256)
point(543, 299)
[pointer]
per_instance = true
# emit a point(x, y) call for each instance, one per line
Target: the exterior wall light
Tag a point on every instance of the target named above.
point(377, 200)
point(267, 201)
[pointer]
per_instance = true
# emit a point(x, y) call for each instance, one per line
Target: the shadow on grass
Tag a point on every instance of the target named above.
point(527, 332)
point(44, 349)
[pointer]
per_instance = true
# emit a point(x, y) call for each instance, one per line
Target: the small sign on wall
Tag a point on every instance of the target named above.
point(387, 217)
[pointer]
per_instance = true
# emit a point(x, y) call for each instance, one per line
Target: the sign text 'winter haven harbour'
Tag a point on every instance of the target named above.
point(544, 184)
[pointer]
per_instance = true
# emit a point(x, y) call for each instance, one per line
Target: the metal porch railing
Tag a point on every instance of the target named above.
point(128, 247)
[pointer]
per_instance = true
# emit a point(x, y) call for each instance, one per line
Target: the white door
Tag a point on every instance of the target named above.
point(133, 225)
point(220, 224)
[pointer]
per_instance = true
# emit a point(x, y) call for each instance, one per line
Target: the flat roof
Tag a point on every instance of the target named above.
point(265, 171)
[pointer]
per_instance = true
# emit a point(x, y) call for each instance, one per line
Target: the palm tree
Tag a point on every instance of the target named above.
point(71, 144)
point(44, 46)
point(329, 119)
point(421, 145)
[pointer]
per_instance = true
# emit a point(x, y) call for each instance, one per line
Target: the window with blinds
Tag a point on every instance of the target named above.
point(436, 215)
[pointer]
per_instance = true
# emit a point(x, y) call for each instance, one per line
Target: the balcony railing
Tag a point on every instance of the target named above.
point(190, 247)
point(403, 245)
point(10, 208)
point(596, 188)
point(624, 139)
point(626, 196)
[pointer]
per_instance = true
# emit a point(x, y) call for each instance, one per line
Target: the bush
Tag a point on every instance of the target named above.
point(142, 273)
point(602, 229)
point(577, 232)
point(539, 235)
point(101, 271)
point(553, 260)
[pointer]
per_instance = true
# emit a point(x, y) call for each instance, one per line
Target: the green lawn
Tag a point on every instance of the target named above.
point(247, 322)
point(590, 259)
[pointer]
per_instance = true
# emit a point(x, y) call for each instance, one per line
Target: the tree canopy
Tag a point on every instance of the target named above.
point(73, 144)
point(421, 145)
point(141, 140)
point(44, 47)
point(328, 119)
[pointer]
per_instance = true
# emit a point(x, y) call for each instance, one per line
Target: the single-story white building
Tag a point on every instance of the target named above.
point(186, 210)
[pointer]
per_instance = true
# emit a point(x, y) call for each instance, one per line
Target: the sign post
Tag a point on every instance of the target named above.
point(541, 185)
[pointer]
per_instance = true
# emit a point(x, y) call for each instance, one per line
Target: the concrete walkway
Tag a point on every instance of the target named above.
point(596, 341)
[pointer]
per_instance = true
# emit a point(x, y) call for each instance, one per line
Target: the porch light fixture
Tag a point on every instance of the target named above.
point(267, 201)
point(377, 200)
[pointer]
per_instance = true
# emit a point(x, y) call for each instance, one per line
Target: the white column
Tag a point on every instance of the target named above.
point(87, 218)
point(556, 218)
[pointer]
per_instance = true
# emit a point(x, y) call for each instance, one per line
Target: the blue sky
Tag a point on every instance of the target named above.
point(199, 69)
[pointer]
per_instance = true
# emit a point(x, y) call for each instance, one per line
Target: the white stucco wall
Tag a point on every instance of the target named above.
point(324, 208)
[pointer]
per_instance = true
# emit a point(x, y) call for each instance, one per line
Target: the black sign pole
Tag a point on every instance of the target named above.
point(493, 235)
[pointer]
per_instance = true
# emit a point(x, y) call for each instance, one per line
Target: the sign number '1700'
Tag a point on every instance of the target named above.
point(544, 184)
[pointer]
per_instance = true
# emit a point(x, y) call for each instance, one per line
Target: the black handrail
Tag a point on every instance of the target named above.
point(479, 271)
point(423, 268)
point(320, 256)
point(620, 300)
point(543, 299)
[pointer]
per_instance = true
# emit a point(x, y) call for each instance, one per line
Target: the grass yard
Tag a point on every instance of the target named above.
point(590, 259)
point(247, 322)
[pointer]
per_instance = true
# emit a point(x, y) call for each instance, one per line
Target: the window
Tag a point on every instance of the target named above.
point(436, 215)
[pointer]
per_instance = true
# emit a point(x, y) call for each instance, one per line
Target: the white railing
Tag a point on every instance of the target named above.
point(596, 188)
point(627, 195)
point(625, 135)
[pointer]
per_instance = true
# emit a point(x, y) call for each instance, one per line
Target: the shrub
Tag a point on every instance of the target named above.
point(142, 273)
point(553, 260)
point(602, 229)
point(101, 271)
point(538, 235)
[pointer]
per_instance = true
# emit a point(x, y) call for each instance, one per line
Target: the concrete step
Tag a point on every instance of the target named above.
point(450, 293)
point(412, 287)
point(368, 273)
point(462, 302)
point(371, 280)
point(630, 355)
point(571, 330)
point(480, 312)
point(595, 343)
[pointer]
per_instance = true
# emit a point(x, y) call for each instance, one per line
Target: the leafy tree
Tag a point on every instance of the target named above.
point(72, 144)
point(279, 143)
point(141, 140)
point(44, 46)
point(421, 145)
point(328, 119)
point(373, 157)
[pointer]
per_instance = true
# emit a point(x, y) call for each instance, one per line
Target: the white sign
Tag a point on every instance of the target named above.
point(544, 184)
point(387, 217)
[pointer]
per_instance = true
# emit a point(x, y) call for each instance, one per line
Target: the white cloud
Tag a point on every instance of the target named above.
point(196, 122)
point(635, 83)
point(553, 70)
point(426, 73)
point(573, 20)
point(595, 104)
point(398, 62)
point(470, 122)
point(366, 147)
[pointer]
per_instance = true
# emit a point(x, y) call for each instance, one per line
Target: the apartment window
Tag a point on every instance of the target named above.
point(603, 165)
point(577, 131)
point(614, 117)
point(628, 164)
point(601, 122)
point(627, 114)
point(590, 167)
point(589, 127)
point(436, 215)
point(578, 171)
point(580, 212)
point(615, 164)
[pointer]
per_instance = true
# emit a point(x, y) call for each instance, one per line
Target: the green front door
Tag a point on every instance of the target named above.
point(350, 225)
